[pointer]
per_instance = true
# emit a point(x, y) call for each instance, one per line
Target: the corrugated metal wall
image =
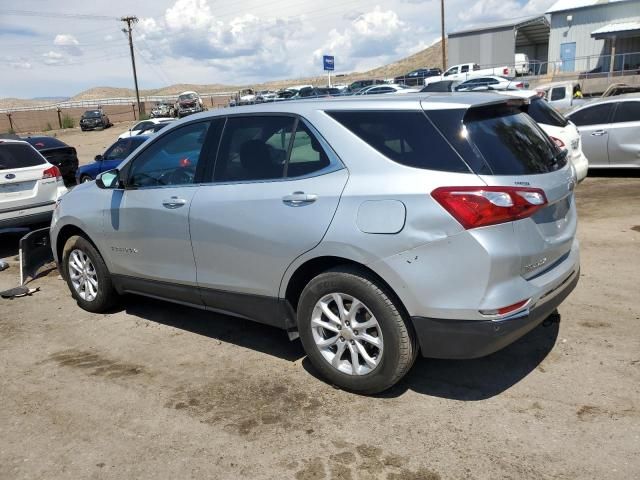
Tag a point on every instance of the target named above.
point(585, 21)
point(490, 47)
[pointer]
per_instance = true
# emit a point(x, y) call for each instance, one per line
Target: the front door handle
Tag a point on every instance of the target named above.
point(298, 199)
point(599, 133)
point(174, 202)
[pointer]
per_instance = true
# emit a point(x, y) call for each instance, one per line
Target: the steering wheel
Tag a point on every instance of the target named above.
point(179, 176)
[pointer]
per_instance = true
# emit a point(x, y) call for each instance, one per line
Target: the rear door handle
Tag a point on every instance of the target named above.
point(298, 199)
point(174, 202)
point(599, 133)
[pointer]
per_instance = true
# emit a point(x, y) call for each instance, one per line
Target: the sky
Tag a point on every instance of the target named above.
point(60, 48)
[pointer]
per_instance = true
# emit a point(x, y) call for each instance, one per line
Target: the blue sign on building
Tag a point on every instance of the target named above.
point(327, 61)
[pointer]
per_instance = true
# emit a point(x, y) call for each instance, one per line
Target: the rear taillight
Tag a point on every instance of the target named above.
point(559, 143)
point(52, 172)
point(519, 85)
point(505, 71)
point(481, 206)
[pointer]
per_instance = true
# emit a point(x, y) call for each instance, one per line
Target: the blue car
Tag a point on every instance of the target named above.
point(110, 159)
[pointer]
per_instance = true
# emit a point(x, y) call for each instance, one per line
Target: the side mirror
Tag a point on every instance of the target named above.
point(98, 158)
point(109, 179)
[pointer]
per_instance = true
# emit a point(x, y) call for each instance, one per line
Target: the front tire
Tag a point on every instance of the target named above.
point(354, 332)
point(85, 179)
point(87, 276)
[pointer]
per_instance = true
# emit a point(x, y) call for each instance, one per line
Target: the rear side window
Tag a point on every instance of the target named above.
point(406, 137)
point(253, 148)
point(16, 155)
point(592, 115)
point(627, 112)
point(510, 142)
point(557, 94)
point(544, 113)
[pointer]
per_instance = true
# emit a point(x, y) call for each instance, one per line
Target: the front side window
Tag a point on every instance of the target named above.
point(171, 160)
point(595, 115)
point(627, 112)
point(464, 69)
point(122, 148)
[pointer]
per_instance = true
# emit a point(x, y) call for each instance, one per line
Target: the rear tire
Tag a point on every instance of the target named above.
point(385, 346)
point(87, 276)
point(85, 179)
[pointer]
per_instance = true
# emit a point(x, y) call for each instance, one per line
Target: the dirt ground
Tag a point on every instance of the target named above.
point(155, 390)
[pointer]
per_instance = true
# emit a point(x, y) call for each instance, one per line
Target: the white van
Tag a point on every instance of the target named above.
point(522, 64)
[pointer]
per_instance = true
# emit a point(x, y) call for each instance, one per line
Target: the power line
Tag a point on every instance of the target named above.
point(29, 13)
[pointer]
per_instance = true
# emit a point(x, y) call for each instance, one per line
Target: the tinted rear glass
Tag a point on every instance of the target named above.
point(15, 155)
point(406, 137)
point(92, 114)
point(45, 142)
point(544, 113)
point(510, 142)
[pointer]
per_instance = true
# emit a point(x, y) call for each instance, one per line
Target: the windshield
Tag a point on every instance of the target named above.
point(188, 96)
point(542, 112)
point(92, 114)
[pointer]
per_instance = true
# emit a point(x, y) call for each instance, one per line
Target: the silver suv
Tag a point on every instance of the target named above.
point(373, 228)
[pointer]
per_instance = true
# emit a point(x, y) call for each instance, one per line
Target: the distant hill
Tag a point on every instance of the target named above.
point(429, 57)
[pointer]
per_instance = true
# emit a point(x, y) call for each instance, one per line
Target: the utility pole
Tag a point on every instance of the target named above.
point(442, 41)
point(130, 20)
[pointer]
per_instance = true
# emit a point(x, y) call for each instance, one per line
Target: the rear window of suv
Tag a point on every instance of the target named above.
point(406, 137)
point(17, 155)
point(510, 142)
point(498, 139)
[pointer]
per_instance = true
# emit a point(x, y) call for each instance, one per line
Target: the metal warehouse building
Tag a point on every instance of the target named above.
point(497, 43)
point(572, 36)
point(585, 33)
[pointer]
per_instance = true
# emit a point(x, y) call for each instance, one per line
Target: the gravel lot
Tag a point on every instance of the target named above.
point(155, 390)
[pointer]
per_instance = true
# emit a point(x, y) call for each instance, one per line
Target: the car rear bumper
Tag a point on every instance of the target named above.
point(26, 220)
point(464, 339)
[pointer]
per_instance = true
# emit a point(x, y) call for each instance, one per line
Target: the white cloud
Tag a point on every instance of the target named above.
point(370, 38)
point(53, 58)
point(65, 39)
point(68, 43)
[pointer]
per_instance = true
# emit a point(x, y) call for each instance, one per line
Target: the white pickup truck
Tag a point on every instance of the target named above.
point(466, 71)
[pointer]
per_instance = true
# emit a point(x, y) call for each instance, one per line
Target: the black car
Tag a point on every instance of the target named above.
point(315, 92)
point(416, 77)
point(59, 154)
point(442, 86)
point(92, 119)
point(360, 84)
